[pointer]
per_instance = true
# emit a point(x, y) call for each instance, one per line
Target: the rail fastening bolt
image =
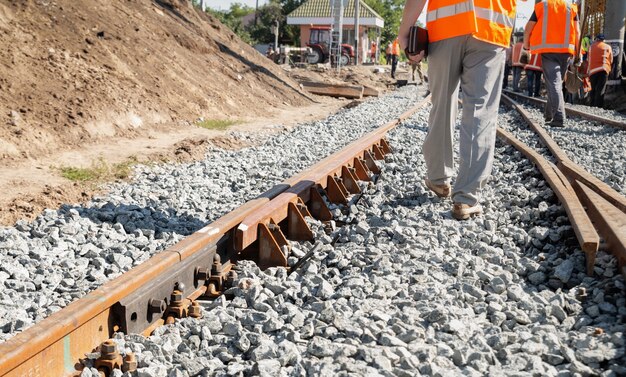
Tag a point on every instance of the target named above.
point(157, 306)
point(108, 349)
point(195, 310)
point(130, 363)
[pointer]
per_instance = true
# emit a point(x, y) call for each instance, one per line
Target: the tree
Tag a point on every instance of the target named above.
point(266, 18)
point(391, 12)
point(232, 19)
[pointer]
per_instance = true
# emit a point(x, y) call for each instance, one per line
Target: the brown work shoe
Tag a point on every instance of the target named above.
point(442, 191)
point(462, 211)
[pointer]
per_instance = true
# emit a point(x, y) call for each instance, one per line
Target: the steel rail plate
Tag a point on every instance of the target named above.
point(319, 175)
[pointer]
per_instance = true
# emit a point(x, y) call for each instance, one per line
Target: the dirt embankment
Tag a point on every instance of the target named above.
point(81, 71)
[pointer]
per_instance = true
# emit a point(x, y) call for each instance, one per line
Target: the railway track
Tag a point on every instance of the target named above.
point(577, 189)
point(167, 287)
point(569, 110)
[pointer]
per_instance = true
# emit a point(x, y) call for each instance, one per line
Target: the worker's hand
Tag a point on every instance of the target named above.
point(578, 61)
point(415, 58)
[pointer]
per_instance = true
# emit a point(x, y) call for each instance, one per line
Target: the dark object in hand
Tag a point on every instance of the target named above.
point(418, 41)
point(524, 56)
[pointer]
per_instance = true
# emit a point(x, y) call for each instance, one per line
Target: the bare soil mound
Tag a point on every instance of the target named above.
point(74, 72)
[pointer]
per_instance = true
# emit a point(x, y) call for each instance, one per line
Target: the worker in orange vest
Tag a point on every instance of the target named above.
point(600, 59)
point(395, 54)
point(467, 42)
point(517, 65)
point(533, 75)
point(373, 52)
point(553, 32)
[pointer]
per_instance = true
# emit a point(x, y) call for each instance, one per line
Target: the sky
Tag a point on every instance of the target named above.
point(524, 8)
point(225, 4)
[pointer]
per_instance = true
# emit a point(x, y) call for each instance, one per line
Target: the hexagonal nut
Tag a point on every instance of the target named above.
point(108, 347)
point(130, 363)
point(195, 310)
point(177, 296)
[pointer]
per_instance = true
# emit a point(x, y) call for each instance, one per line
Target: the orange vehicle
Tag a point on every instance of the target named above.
point(320, 50)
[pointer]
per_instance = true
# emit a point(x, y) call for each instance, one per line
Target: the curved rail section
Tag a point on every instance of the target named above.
point(575, 187)
point(569, 110)
point(166, 286)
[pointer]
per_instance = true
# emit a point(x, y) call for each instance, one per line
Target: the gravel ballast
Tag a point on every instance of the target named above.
point(407, 290)
point(65, 253)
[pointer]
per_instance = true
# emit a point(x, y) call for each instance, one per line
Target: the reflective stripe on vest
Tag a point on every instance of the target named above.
point(450, 10)
point(493, 16)
point(544, 32)
point(468, 6)
point(534, 64)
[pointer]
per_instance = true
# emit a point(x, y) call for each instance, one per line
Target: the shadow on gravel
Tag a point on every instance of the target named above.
point(144, 219)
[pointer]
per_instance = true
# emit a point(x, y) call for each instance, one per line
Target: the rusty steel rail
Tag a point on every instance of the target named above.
point(606, 208)
point(583, 228)
point(570, 111)
point(570, 168)
point(199, 265)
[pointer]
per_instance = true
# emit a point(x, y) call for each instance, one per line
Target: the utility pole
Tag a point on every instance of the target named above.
point(203, 5)
point(256, 11)
point(357, 30)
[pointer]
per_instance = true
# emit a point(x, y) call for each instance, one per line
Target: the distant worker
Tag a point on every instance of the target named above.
point(517, 65)
point(584, 46)
point(416, 66)
point(508, 61)
point(553, 32)
point(599, 61)
point(533, 75)
point(388, 54)
point(395, 55)
point(466, 47)
point(373, 52)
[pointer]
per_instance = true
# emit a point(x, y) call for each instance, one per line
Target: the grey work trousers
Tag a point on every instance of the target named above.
point(517, 76)
point(479, 67)
point(554, 66)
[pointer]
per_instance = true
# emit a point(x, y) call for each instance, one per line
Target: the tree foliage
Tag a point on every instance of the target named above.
point(277, 10)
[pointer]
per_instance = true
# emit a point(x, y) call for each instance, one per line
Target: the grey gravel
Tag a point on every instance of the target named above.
point(407, 290)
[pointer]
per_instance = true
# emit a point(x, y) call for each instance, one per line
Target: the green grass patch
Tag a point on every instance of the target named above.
point(216, 124)
point(99, 171)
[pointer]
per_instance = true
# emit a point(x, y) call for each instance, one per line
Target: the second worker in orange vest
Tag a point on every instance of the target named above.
point(533, 75)
point(600, 59)
point(553, 32)
point(467, 39)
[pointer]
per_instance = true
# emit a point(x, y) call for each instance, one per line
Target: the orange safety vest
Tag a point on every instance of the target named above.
point(555, 31)
point(534, 63)
point(517, 54)
point(600, 58)
point(487, 20)
point(395, 48)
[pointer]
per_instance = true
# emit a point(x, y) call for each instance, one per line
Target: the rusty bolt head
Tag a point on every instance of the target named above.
point(157, 306)
point(202, 273)
point(272, 227)
point(195, 310)
point(108, 348)
point(232, 275)
point(217, 259)
point(130, 363)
